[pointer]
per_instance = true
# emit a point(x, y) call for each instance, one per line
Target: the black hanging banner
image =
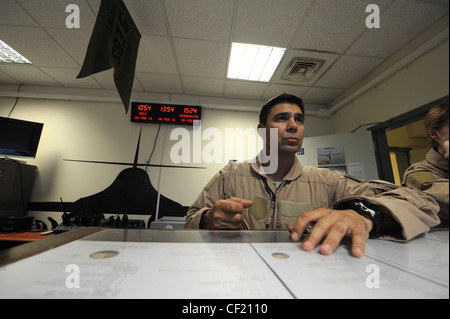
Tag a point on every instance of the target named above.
point(114, 43)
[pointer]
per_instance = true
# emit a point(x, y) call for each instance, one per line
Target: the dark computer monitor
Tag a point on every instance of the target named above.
point(19, 138)
point(16, 185)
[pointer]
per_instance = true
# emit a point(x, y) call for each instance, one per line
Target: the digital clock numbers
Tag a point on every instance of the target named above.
point(164, 113)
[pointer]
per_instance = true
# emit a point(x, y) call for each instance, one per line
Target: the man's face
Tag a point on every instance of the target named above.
point(288, 119)
point(441, 135)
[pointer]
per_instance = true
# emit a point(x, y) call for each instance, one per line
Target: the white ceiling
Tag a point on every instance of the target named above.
point(185, 44)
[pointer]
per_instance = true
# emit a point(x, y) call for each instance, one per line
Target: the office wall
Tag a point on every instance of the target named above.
point(101, 131)
point(358, 149)
point(422, 81)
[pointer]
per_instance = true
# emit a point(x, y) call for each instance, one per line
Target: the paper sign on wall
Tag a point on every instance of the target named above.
point(331, 155)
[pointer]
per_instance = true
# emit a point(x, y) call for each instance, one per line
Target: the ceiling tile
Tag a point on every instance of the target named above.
point(49, 13)
point(234, 88)
point(201, 58)
point(443, 3)
point(37, 46)
point(200, 19)
point(148, 15)
point(203, 86)
point(160, 83)
point(399, 24)
point(334, 25)
point(347, 70)
point(321, 96)
point(27, 74)
point(106, 79)
point(95, 4)
point(276, 89)
point(68, 78)
point(137, 86)
point(13, 14)
point(5, 79)
point(271, 22)
point(75, 41)
point(155, 56)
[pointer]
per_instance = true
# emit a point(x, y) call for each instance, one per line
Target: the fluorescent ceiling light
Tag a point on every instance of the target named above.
point(9, 55)
point(253, 62)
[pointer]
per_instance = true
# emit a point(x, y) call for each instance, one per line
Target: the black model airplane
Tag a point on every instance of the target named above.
point(131, 193)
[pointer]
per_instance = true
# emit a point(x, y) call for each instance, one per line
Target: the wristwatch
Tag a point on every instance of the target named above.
point(376, 217)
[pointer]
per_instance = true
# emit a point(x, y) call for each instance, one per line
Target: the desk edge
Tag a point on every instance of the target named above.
point(11, 255)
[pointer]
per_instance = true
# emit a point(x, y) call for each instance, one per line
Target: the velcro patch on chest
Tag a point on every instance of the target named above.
point(294, 209)
point(260, 207)
point(417, 179)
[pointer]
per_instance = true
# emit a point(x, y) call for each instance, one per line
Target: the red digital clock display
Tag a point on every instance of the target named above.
point(165, 113)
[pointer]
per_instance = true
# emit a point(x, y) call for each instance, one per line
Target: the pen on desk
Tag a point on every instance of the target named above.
point(307, 231)
point(309, 228)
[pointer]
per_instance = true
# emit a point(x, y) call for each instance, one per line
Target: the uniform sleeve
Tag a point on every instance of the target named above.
point(439, 189)
point(436, 187)
point(210, 194)
point(414, 211)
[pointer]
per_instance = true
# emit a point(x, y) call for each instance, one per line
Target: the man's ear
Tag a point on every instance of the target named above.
point(260, 126)
point(433, 134)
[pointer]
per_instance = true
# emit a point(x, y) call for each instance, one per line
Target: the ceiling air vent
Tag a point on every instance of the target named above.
point(302, 69)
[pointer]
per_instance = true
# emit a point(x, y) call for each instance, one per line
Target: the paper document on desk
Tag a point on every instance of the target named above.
point(424, 257)
point(142, 270)
point(312, 275)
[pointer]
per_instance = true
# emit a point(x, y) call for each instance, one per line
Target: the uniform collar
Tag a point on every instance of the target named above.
point(437, 159)
point(294, 172)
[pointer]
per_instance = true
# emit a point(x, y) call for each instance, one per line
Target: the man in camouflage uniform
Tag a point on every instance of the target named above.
point(431, 174)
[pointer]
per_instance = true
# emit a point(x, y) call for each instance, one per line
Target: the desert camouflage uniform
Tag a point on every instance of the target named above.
point(306, 188)
point(431, 176)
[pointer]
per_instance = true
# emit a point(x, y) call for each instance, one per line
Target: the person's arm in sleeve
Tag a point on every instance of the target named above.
point(212, 192)
point(213, 210)
point(407, 212)
point(362, 209)
point(436, 187)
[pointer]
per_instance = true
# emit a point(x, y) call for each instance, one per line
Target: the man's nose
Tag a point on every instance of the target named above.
point(292, 125)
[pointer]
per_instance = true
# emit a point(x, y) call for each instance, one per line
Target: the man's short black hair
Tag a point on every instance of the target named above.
point(283, 98)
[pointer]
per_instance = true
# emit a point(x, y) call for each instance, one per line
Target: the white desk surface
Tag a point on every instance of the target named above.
point(180, 264)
